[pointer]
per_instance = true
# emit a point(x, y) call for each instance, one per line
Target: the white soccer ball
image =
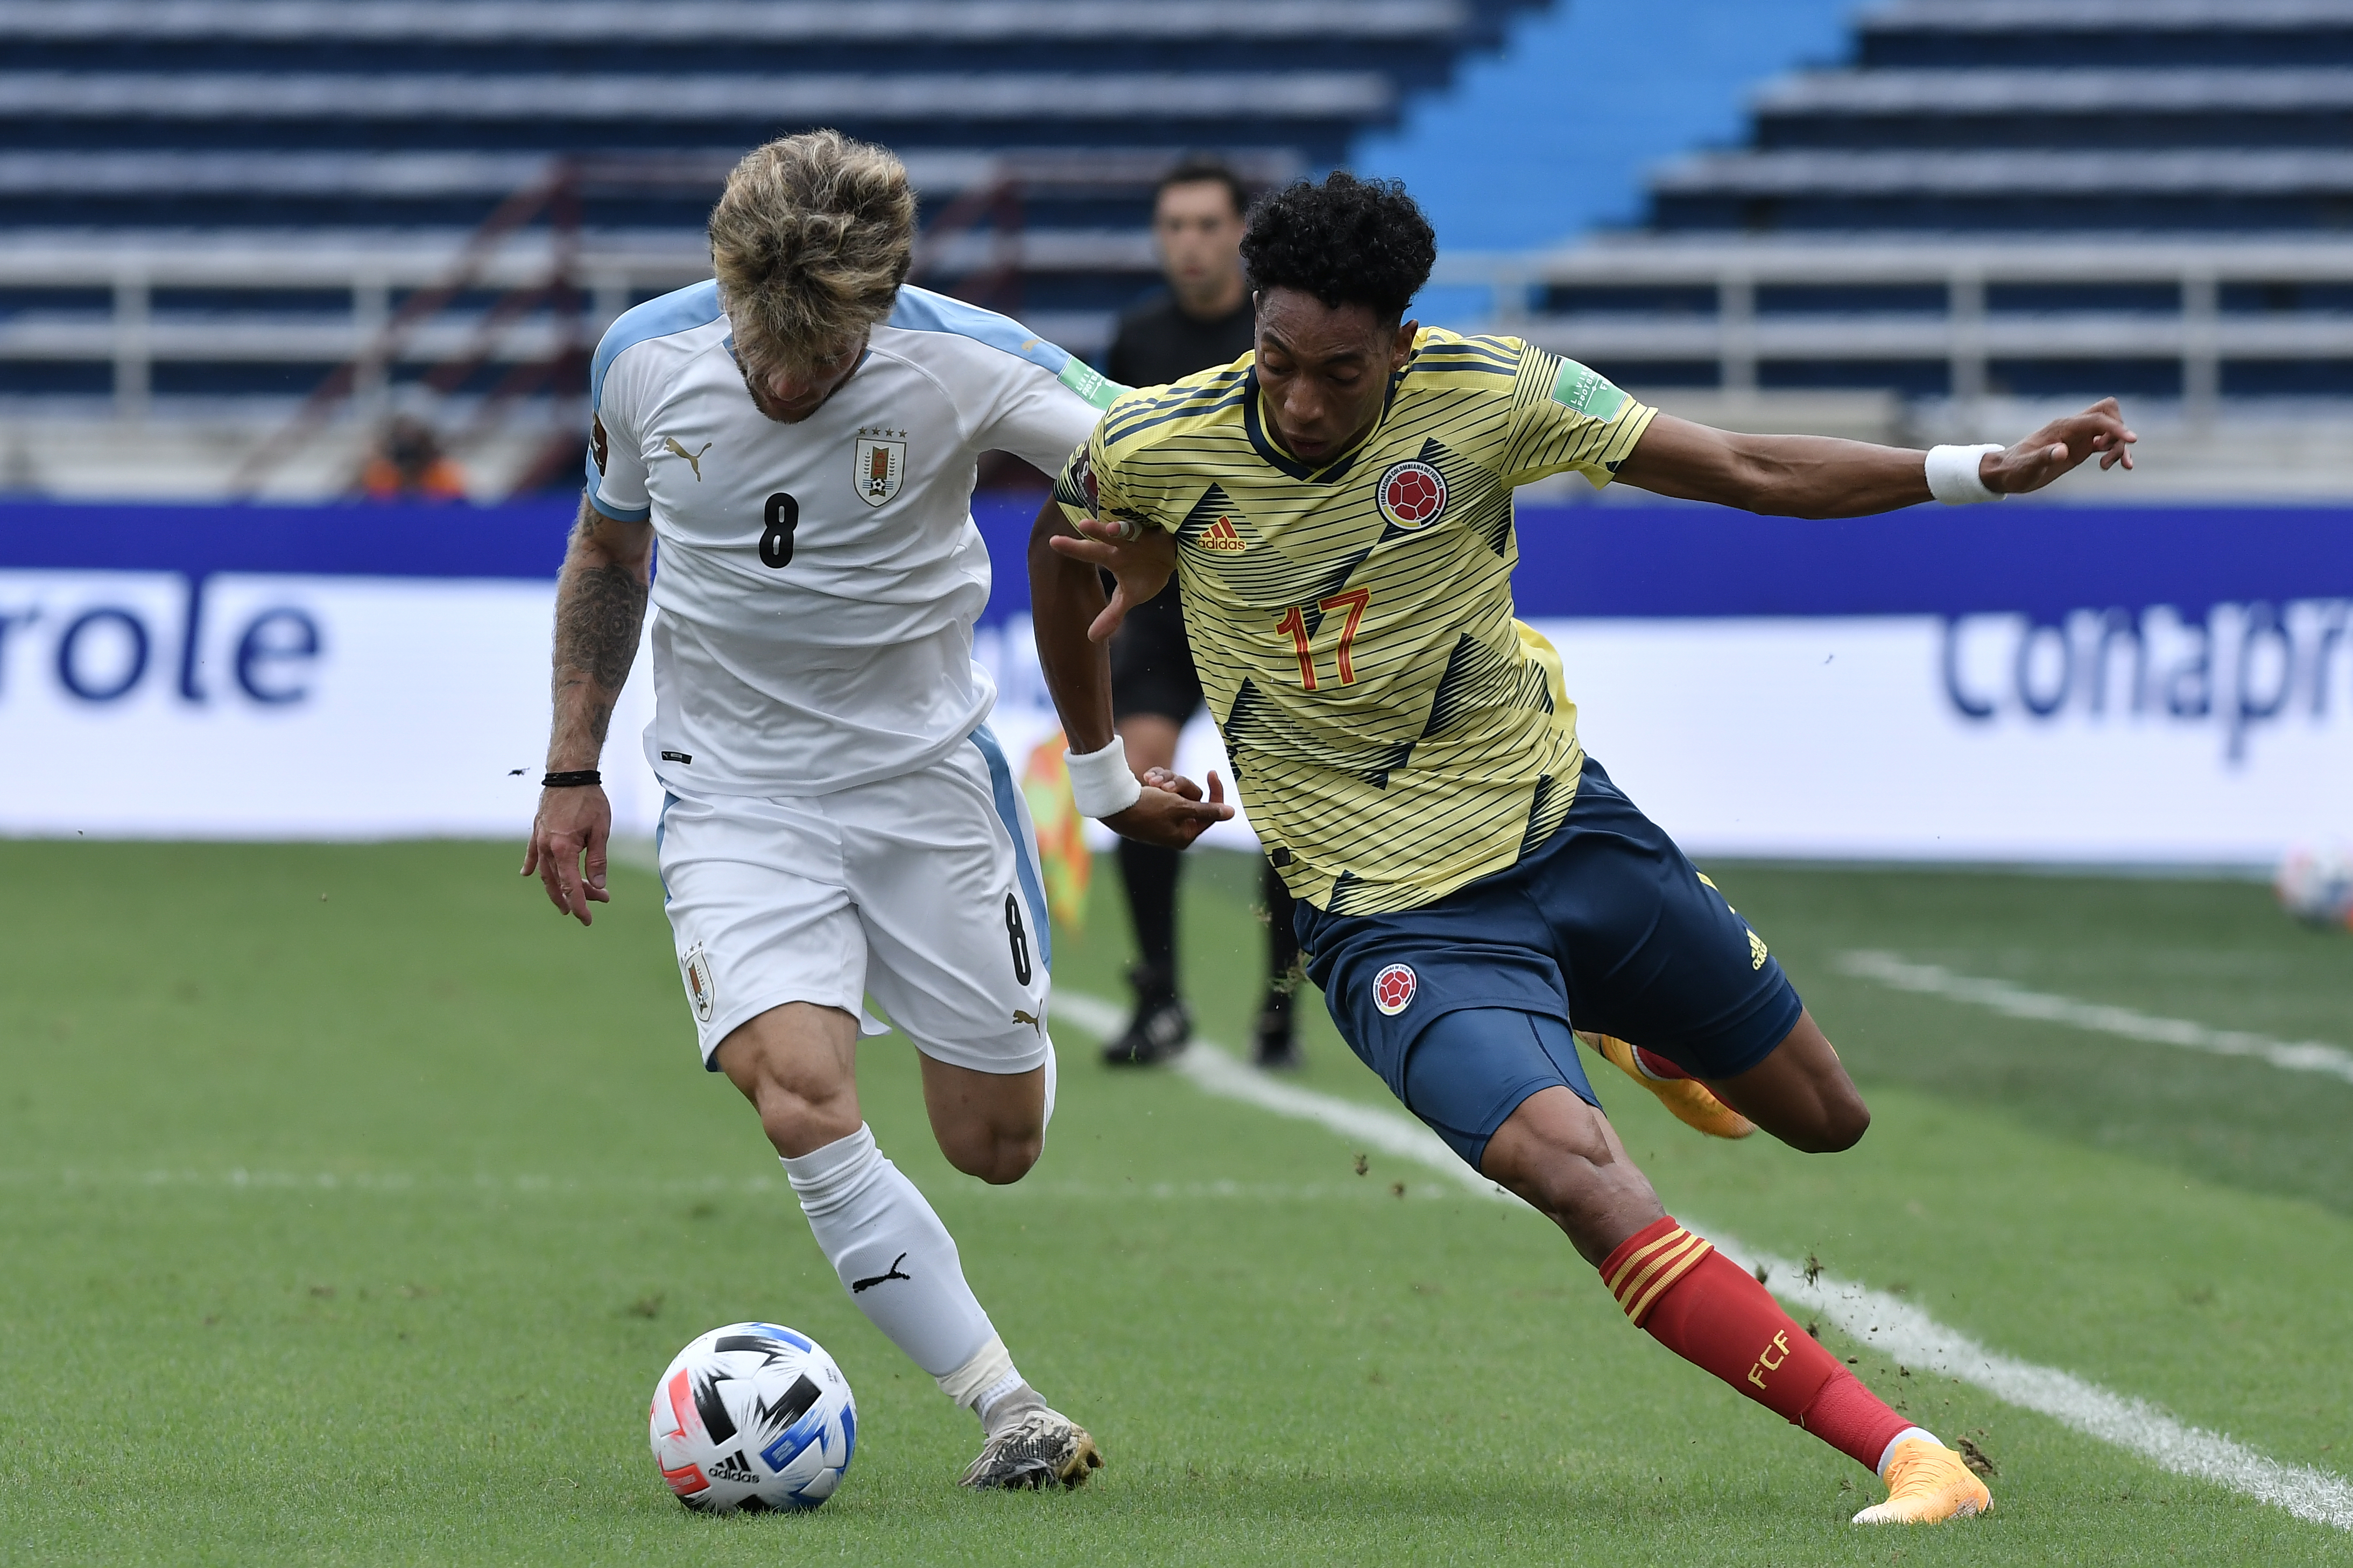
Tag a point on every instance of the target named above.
point(2315, 886)
point(753, 1417)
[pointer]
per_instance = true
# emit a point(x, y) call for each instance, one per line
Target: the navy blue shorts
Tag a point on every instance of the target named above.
point(1604, 926)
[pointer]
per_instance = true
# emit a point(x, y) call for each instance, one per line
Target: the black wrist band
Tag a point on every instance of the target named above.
point(573, 780)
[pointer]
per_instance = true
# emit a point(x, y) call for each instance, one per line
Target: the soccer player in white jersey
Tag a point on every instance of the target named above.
point(800, 436)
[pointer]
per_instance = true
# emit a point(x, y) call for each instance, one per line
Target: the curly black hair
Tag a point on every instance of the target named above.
point(1345, 240)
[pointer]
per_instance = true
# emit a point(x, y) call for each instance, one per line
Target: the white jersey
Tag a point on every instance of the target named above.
point(815, 584)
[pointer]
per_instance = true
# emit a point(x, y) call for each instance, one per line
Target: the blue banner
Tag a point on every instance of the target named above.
point(1640, 561)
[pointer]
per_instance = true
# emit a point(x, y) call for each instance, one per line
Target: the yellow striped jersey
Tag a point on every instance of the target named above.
point(1394, 732)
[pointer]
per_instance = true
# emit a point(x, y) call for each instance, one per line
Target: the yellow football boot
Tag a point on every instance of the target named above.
point(1928, 1483)
point(1688, 1097)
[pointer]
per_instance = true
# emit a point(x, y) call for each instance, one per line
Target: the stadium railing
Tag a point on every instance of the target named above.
point(1936, 315)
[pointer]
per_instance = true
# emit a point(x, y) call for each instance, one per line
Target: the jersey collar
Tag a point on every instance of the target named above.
point(1283, 462)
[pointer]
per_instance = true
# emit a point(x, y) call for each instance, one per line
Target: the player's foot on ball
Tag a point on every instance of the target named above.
point(1928, 1483)
point(1159, 1030)
point(1040, 1449)
point(1274, 1045)
point(1689, 1099)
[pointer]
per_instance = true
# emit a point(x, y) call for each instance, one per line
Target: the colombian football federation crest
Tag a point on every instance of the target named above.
point(880, 463)
point(1393, 988)
point(1411, 493)
point(696, 966)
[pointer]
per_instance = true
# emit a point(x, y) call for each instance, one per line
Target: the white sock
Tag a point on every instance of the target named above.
point(1006, 1402)
point(1903, 1436)
point(898, 1262)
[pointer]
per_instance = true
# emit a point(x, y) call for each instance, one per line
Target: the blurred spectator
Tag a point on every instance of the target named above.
point(1203, 320)
point(410, 465)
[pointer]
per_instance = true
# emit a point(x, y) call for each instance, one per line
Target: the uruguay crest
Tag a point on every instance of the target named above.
point(880, 464)
point(696, 968)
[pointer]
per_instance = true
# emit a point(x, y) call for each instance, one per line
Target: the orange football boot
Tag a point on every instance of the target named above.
point(1689, 1099)
point(1928, 1483)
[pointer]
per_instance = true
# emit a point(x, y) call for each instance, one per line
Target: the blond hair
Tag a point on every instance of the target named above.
point(810, 240)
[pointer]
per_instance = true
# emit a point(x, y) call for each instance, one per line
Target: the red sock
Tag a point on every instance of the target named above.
point(1711, 1311)
point(1657, 1066)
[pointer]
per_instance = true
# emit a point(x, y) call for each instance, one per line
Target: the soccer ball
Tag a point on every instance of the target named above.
point(753, 1417)
point(2315, 886)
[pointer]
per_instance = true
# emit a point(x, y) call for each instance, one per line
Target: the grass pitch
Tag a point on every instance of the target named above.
point(351, 1203)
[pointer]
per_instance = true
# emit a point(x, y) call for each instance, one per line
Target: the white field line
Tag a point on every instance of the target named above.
point(1369, 1126)
point(1932, 980)
point(404, 1184)
point(1889, 1324)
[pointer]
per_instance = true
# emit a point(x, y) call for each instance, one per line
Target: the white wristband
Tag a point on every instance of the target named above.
point(1953, 476)
point(1101, 781)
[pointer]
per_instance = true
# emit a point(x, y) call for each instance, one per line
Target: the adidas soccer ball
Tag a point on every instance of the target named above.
point(753, 1417)
point(2315, 886)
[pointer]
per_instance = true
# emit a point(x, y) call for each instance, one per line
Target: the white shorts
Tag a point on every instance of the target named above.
point(921, 892)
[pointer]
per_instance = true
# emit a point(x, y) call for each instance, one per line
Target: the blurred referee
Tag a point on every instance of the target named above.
point(1202, 320)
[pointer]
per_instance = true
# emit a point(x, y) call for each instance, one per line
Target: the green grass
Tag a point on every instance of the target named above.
point(355, 1228)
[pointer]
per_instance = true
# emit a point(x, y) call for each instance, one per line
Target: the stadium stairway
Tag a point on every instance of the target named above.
point(1984, 115)
point(1996, 208)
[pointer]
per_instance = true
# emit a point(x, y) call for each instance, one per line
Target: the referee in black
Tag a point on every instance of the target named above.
point(1202, 318)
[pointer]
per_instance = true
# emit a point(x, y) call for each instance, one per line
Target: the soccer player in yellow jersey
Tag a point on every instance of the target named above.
point(1338, 509)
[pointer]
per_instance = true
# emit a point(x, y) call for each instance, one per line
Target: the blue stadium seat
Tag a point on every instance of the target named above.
point(308, 124)
point(2023, 198)
point(2021, 115)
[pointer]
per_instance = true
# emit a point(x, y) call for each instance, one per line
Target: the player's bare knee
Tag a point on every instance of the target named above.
point(798, 1124)
point(1843, 1124)
point(799, 1115)
point(997, 1156)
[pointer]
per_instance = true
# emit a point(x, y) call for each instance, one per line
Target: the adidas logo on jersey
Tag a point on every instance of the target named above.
point(1222, 535)
point(735, 1468)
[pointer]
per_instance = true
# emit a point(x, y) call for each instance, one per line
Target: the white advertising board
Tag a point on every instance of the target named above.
point(228, 703)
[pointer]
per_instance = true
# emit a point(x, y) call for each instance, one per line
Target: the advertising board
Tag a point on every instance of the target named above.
point(2012, 683)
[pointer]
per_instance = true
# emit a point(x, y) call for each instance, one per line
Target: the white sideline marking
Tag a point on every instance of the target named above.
point(1371, 1126)
point(1932, 980)
point(406, 1185)
point(1888, 1323)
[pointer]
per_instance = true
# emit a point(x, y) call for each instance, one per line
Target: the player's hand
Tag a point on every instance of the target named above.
point(2060, 447)
point(572, 824)
point(1140, 566)
point(1171, 811)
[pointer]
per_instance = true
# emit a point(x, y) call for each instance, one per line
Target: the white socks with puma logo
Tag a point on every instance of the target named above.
point(898, 1264)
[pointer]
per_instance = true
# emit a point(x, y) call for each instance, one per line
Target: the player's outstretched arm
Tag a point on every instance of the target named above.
point(600, 601)
point(1817, 476)
point(1072, 624)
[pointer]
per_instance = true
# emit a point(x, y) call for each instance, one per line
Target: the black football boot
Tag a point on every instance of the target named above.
point(1161, 1027)
point(1273, 1045)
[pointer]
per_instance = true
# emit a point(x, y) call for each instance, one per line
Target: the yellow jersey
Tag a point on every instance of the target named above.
point(1394, 732)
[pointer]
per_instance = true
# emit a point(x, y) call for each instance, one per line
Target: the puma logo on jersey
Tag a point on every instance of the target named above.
point(693, 460)
point(1223, 536)
point(1029, 1018)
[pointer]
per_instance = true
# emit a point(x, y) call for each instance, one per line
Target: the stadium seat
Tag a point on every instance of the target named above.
point(268, 138)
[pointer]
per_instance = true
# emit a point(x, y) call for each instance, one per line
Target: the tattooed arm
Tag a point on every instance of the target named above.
point(600, 601)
